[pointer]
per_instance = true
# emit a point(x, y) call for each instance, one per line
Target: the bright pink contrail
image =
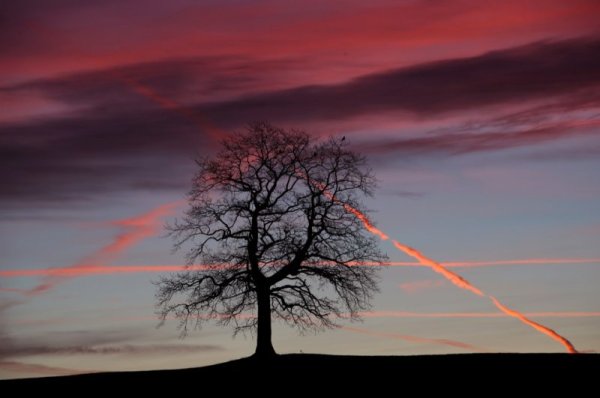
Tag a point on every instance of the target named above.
point(541, 328)
point(363, 218)
point(460, 281)
point(451, 276)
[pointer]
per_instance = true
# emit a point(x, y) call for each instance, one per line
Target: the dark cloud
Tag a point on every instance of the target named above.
point(107, 342)
point(74, 158)
point(36, 369)
point(119, 139)
point(32, 28)
point(195, 78)
point(127, 349)
point(465, 143)
point(584, 152)
point(539, 70)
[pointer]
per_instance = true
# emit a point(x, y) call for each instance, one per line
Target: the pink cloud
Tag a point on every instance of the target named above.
point(417, 286)
point(387, 33)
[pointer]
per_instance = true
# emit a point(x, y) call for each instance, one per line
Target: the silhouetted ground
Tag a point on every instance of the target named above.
point(400, 375)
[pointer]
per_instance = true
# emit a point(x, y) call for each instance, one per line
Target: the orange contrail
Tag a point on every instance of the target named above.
point(136, 229)
point(540, 328)
point(415, 339)
point(460, 281)
point(451, 276)
point(370, 227)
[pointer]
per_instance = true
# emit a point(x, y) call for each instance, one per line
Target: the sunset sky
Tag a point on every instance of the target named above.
point(481, 120)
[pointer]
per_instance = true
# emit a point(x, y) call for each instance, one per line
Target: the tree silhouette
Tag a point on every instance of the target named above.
point(267, 218)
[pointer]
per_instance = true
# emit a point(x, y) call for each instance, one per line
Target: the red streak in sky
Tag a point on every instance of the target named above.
point(136, 229)
point(540, 328)
point(367, 224)
point(437, 267)
point(462, 282)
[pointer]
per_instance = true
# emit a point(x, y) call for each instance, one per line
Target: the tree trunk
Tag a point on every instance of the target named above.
point(264, 347)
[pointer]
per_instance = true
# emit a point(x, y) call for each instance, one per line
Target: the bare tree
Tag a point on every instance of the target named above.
point(269, 219)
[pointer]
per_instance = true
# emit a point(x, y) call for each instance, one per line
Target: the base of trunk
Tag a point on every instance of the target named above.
point(264, 346)
point(265, 353)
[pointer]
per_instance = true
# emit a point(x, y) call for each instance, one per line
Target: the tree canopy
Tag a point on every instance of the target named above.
point(268, 218)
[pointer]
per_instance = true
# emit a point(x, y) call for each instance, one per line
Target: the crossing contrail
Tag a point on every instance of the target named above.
point(133, 230)
point(145, 268)
point(459, 280)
